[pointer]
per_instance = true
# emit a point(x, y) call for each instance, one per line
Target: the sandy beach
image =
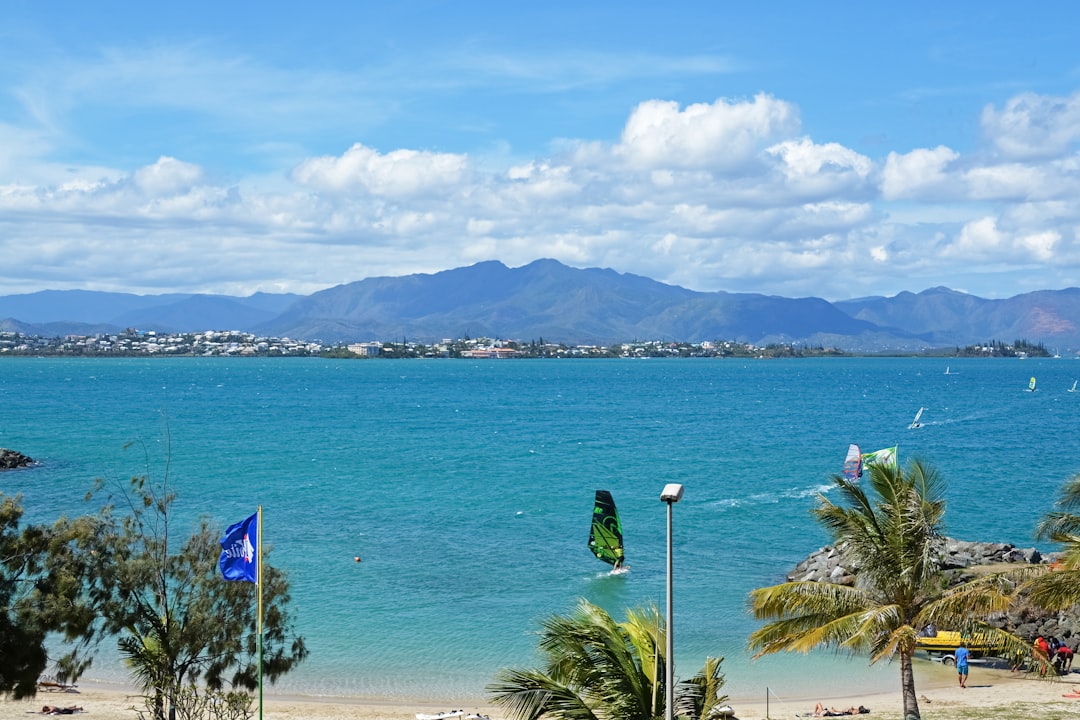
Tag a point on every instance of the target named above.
point(991, 693)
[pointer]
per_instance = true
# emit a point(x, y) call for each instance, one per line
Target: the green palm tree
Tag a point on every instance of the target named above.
point(893, 536)
point(598, 669)
point(1058, 588)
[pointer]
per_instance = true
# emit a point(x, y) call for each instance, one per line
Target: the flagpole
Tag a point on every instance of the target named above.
point(259, 639)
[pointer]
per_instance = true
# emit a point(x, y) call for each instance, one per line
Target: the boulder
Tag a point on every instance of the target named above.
point(828, 564)
point(9, 459)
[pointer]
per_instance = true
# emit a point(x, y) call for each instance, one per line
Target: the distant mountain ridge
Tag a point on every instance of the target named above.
point(549, 300)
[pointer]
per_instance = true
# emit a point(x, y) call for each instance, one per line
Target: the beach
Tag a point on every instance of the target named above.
point(991, 693)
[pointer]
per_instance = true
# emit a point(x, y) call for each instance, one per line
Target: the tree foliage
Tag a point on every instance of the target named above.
point(178, 621)
point(894, 535)
point(1059, 588)
point(598, 668)
point(41, 584)
point(189, 636)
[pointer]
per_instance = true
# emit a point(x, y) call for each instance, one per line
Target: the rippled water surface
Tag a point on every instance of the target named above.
point(467, 486)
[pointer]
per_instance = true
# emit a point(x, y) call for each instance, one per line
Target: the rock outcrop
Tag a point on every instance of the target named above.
point(9, 459)
point(829, 564)
point(958, 560)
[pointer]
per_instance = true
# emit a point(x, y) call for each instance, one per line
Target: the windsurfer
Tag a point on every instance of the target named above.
point(605, 536)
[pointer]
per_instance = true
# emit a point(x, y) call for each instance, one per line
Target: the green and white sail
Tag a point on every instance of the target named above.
point(885, 456)
point(605, 537)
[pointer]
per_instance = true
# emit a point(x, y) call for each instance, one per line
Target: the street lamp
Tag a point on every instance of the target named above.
point(672, 494)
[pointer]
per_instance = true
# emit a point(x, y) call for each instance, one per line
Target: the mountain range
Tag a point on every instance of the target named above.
point(551, 301)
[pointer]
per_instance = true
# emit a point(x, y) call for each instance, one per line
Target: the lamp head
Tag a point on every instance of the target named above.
point(672, 493)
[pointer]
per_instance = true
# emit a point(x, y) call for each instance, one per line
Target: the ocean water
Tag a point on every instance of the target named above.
point(467, 487)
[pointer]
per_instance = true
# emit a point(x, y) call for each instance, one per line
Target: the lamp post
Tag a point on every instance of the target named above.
point(672, 494)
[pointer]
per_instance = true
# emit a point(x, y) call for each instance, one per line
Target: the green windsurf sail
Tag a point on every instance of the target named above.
point(605, 538)
point(886, 456)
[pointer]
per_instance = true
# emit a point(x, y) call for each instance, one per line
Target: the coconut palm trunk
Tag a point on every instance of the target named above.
point(907, 686)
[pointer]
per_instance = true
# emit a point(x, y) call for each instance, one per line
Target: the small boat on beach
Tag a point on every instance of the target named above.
point(605, 535)
point(441, 716)
point(945, 642)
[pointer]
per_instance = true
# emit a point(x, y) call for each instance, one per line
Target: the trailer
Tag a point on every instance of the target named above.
point(942, 645)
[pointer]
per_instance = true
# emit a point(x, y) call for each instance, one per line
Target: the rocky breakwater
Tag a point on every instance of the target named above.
point(958, 557)
point(960, 561)
point(9, 459)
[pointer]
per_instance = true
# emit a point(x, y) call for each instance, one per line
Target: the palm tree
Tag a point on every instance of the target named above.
point(1059, 587)
point(598, 669)
point(893, 537)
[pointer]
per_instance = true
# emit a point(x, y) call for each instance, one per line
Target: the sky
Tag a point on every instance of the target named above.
point(827, 149)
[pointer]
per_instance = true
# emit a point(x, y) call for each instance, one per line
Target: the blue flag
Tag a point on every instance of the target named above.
point(238, 560)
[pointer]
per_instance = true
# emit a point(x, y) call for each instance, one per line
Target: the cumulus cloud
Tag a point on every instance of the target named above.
point(821, 169)
point(985, 241)
point(977, 239)
point(1034, 126)
point(722, 135)
point(729, 195)
point(168, 176)
point(918, 173)
point(396, 174)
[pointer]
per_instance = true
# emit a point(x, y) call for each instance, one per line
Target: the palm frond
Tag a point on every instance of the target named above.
point(531, 694)
point(698, 697)
point(593, 666)
point(901, 639)
point(1069, 495)
point(981, 597)
point(811, 614)
point(793, 598)
point(1055, 590)
point(1059, 527)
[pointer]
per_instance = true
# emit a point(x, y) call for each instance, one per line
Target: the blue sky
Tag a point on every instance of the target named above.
point(830, 149)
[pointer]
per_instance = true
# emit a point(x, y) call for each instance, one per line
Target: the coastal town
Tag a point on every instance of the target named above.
point(234, 343)
point(137, 343)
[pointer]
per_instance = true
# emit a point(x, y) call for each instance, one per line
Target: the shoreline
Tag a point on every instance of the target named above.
point(939, 699)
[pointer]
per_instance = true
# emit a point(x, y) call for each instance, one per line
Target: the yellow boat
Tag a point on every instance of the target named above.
point(945, 642)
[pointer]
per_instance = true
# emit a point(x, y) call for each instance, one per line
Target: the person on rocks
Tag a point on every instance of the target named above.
point(1041, 651)
point(1063, 659)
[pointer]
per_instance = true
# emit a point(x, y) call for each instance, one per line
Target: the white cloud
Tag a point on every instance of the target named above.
point(397, 174)
point(1041, 245)
point(168, 176)
point(1034, 126)
point(978, 239)
point(984, 241)
point(918, 173)
point(821, 169)
point(722, 135)
point(729, 195)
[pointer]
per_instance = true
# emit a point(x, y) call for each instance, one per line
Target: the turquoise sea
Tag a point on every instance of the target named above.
point(467, 486)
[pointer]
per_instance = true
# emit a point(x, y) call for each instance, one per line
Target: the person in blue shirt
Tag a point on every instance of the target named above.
point(962, 655)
